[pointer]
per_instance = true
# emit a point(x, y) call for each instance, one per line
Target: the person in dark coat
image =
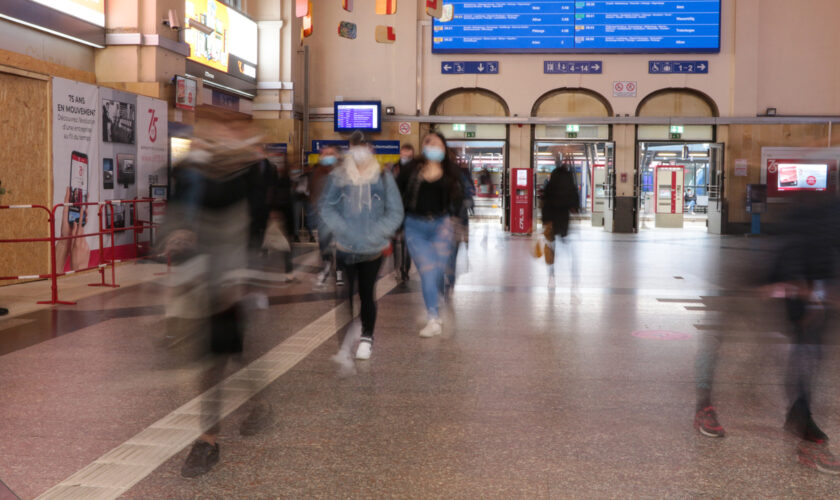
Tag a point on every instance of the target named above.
point(560, 200)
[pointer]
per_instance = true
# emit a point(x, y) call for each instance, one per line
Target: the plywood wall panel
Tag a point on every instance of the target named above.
point(25, 172)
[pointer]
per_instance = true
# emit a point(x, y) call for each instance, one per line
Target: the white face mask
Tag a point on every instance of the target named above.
point(361, 155)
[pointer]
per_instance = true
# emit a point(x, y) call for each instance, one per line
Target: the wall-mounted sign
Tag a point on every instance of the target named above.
point(221, 38)
point(573, 67)
point(671, 67)
point(741, 167)
point(469, 67)
point(625, 89)
point(186, 90)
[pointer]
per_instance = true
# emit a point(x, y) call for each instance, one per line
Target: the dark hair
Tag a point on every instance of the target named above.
point(451, 172)
point(407, 146)
point(357, 138)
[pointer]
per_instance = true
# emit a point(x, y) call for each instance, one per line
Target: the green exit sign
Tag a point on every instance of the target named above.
point(459, 127)
point(573, 128)
point(677, 131)
point(470, 135)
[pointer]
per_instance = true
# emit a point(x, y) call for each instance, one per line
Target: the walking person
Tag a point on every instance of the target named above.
point(361, 207)
point(402, 259)
point(327, 160)
point(432, 192)
point(560, 200)
point(462, 225)
point(219, 192)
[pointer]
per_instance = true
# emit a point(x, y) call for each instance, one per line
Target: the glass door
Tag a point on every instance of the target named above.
point(486, 162)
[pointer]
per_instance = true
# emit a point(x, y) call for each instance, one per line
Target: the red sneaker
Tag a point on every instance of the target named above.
point(818, 456)
point(706, 422)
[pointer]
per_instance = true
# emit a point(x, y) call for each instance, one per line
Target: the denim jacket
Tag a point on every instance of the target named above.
point(363, 231)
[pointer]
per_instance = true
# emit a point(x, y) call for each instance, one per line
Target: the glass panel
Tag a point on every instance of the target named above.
point(663, 133)
point(558, 132)
point(694, 157)
point(486, 162)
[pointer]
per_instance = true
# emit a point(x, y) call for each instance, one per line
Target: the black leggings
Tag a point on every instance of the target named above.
point(365, 273)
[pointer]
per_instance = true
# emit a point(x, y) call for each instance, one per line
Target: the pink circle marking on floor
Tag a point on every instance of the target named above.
point(660, 335)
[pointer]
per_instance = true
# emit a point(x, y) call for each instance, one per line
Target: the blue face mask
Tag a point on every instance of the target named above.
point(433, 153)
point(328, 160)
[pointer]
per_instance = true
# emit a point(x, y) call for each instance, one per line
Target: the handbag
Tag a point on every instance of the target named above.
point(274, 238)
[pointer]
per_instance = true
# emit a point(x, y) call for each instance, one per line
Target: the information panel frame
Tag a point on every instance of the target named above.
point(376, 125)
point(438, 27)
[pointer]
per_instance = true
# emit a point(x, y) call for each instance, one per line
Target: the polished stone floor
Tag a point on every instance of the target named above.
point(585, 390)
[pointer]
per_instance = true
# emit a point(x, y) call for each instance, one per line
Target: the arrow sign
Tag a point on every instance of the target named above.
point(469, 67)
point(573, 67)
point(678, 67)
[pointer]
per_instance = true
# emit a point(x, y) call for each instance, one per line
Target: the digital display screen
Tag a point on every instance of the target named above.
point(802, 177)
point(221, 37)
point(608, 26)
point(357, 115)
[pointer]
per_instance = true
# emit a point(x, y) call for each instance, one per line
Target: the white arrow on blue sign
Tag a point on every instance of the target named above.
point(469, 67)
point(684, 67)
point(573, 67)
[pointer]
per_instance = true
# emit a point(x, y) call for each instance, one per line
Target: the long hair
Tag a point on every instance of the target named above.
point(451, 173)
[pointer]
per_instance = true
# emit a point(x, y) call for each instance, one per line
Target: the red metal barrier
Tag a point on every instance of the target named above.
point(104, 207)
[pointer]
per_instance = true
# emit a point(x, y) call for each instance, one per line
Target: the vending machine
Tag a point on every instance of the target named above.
point(521, 200)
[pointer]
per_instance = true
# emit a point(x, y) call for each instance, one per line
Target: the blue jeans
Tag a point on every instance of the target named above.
point(430, 242)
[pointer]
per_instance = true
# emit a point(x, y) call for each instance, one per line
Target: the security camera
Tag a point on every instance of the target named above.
point(173, 21)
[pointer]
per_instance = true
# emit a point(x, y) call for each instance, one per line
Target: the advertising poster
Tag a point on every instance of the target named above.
point(76, 170)
point(152, 165)
point(118, 150)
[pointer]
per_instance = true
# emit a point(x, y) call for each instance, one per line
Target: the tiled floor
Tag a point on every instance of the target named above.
point(529, 393)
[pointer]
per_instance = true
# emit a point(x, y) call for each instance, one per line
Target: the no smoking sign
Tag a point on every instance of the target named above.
point(624, 89)
point(405, 128)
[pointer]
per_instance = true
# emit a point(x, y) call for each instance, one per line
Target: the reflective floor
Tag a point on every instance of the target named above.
point(585, 390)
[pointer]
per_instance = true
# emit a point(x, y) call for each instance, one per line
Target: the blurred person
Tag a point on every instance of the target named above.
point(462, 224)
point(300, 199)
point(803, 275)
point(327, 160)
point(432, 192)
point(485, 182)
point(402, 259)
point(362, 209)
point(281, 206)
point(3, 311)
point(216, 188)
point(560, 200)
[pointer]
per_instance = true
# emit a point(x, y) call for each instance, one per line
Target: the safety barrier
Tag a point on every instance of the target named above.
point(105, 209)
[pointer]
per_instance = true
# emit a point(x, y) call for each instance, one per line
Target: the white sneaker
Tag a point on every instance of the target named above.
point(365, 348)
point(551, 282)
point(339, 278)
point(432, 328)
point(323, 275)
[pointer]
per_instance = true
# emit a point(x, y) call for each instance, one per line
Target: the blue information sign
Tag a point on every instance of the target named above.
point(573, 67)
point(670, 67)
point(579, 26)
point(469, 67)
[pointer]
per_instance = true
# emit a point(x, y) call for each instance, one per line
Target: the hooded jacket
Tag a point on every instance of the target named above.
point(361, 206)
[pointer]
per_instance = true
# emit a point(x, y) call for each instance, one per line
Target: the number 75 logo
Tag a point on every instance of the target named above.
point(153, 126)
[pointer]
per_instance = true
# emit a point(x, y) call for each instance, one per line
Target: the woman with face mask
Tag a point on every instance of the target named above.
point(362, 209)
point(432, 193)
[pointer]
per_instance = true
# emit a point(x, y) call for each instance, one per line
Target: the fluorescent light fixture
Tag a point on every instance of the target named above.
point(698, 155)
point(52, 32)
point(666, 154)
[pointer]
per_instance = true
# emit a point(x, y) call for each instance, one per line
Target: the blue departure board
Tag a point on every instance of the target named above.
point(648, 26)
point(357, 115)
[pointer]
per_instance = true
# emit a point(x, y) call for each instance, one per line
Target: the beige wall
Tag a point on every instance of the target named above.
point(770, 48)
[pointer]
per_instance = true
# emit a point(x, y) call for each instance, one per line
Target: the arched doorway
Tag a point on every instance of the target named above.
point(484, 147)
point(589, 145)
point(685, 156)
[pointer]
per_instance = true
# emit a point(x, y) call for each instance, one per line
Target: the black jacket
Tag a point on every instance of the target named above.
point(560, 195)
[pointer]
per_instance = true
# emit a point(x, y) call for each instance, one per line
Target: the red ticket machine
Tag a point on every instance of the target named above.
point(521, 200)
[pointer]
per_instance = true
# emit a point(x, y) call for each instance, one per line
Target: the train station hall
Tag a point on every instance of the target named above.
point(419, 249)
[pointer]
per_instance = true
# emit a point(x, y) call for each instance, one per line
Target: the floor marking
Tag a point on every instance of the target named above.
point(118, 470)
